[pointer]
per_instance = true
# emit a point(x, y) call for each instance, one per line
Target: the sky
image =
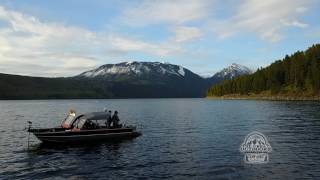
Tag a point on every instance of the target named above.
point(66, 37)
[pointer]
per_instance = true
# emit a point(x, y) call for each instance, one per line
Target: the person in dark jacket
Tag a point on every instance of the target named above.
point(115, 120)
point(109, 120)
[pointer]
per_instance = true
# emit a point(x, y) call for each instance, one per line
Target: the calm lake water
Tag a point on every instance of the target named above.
point(182, 139)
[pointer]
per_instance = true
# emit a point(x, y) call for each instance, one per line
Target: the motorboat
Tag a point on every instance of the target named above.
point(84, 128)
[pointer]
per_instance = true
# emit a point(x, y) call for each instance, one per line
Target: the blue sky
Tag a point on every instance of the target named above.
point(66, 37)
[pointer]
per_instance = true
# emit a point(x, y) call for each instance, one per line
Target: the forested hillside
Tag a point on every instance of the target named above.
point(24, 87)
point(295, 75)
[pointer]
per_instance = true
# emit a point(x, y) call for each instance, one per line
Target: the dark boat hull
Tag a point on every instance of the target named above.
point(84, 136)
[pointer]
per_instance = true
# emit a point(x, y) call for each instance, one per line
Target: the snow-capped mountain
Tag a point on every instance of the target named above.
point(147, 79)
point(232, 71)
point(141, 70)
point(155, 79)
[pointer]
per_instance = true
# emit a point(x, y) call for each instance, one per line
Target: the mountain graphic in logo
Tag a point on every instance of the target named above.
point(256, 148)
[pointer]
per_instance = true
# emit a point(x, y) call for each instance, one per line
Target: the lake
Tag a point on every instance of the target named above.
point(182, 139)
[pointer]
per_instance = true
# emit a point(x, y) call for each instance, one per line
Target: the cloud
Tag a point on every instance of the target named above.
point(166, 11)
point(265, 18)
point(184, 33)
point(54, 66)
point(123, 45)
point(294, 23)
point(63, 50)
point(37, 47)
point(27, 42)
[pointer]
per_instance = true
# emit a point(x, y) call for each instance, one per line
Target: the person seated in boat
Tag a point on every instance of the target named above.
point(109, 119)
point(90, 125)
point(116, 120)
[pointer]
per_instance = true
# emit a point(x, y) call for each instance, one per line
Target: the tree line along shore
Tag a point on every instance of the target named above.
point(295, 77)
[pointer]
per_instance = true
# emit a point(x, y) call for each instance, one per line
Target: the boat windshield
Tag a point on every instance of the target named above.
point(80, 123)
point(68, 120)
point(86, 121)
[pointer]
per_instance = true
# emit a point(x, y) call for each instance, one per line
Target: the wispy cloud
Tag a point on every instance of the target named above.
point(171, 29)
point(267, 19)
point(294, 23)
point(127, 44)
point(185, 33)
point(63, 50)
point(166, 11)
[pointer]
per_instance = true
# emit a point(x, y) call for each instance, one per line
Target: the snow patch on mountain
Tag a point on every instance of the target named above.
point(181, 71)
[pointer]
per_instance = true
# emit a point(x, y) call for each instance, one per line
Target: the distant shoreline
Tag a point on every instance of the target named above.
point(122, 98)
point(263, 97)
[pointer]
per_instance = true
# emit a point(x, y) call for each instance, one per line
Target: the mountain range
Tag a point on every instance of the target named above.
point(157, 79)
point(122, 80)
